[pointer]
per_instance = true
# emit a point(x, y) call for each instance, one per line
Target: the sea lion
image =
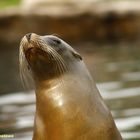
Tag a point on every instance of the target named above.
point(68, 103)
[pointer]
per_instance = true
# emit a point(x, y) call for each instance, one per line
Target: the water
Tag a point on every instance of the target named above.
point(116, 70)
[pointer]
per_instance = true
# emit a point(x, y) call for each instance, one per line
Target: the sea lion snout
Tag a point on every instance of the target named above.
point(28, 41)
point(28, 36)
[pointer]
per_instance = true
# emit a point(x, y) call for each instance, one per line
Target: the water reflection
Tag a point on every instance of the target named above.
point(116, 70)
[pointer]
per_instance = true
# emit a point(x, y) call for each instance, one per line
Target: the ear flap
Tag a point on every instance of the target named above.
point(76, 55)
point(28, 67)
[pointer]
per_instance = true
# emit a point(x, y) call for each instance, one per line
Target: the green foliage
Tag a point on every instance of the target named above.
point(7, 3)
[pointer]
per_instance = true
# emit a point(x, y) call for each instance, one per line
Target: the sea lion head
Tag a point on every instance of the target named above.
point(46, 57)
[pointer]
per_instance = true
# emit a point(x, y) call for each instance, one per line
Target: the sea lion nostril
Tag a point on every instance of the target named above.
point(28, 36)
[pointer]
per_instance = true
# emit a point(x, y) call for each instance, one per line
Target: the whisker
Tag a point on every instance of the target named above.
point(59, 61)
point(25, 74)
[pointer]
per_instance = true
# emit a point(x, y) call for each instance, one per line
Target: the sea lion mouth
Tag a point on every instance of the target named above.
point(32, 48)
point(34, 54)
point(29, 49)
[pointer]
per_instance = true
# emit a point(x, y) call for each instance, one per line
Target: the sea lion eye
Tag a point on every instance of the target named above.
point(57, 41)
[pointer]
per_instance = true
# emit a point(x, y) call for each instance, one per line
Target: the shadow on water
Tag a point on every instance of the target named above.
point(116, 69)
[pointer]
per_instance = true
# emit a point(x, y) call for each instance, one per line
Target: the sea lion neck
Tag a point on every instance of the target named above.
point(44, 85)
point(49, 103)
